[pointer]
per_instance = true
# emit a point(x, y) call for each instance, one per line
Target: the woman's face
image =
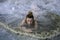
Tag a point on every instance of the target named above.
point(29, 20)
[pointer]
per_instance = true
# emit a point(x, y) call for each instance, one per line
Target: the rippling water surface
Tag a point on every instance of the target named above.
point(15, 10)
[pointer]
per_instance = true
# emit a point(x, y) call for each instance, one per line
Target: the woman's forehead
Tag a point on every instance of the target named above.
point(29, 18)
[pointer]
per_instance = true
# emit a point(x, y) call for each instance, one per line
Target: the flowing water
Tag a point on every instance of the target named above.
point(12, 12)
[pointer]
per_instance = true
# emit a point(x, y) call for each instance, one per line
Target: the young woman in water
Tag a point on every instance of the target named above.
point(29, 24)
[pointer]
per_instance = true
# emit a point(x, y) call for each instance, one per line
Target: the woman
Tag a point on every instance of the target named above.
point(29, 24)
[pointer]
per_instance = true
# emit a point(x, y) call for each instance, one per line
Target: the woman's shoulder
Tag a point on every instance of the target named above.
point(22, 22)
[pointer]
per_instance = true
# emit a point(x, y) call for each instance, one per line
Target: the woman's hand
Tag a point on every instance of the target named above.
point(26, 30)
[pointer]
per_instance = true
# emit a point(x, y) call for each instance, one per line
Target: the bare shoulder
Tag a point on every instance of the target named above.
point(36, 22)
point(21, 23)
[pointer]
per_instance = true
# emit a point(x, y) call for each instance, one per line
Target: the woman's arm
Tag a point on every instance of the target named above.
point(26, 30)
point(35, 27)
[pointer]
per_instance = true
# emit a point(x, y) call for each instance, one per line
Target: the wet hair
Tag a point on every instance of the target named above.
point(30, 15)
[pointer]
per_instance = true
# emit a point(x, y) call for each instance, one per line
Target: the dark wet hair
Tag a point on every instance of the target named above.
point(30, 15)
